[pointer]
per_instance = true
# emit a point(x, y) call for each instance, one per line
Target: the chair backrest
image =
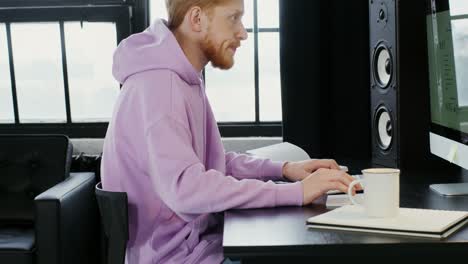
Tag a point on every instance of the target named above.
point(29, 165)
point(113, 207)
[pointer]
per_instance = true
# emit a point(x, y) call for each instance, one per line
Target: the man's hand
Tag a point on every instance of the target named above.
point(324, 180)
point(298, 171)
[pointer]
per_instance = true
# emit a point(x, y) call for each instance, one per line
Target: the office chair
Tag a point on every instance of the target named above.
point(113, 207)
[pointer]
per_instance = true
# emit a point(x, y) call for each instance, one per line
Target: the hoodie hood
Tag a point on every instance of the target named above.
point(156, 48)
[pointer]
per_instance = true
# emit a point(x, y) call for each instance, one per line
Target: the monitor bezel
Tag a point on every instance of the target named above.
point(450, 133)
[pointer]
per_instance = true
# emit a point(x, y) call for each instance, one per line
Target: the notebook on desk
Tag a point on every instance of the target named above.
point(410, 222)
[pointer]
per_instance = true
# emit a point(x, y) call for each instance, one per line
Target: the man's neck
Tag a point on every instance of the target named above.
point(192, 51)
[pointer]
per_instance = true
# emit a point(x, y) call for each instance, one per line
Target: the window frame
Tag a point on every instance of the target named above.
point(257, 127)
point(119, 14)
point(130, 16)
point(30, 3)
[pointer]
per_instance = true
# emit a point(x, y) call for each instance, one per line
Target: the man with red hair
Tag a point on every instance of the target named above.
point(164, 149)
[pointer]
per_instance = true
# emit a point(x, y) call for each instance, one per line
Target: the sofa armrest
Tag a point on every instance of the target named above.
point(67, 222)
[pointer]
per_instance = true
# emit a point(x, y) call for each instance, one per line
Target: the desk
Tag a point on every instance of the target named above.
point(276, 232)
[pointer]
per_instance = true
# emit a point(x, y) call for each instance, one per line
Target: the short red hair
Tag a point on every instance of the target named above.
point(177, 9)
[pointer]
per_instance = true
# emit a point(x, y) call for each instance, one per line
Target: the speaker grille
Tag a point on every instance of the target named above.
point(382, 66)
point(383, 128)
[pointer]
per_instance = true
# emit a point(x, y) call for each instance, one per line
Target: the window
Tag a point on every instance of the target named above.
point(55, 67)
point(60, 63)
point(234, 99)
point(93, 90)
point(38, 72)
point(250, 92)
point(157, 9)
point(270, 82)
point(6, 101)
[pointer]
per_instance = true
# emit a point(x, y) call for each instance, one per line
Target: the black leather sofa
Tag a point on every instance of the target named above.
point(47, 215)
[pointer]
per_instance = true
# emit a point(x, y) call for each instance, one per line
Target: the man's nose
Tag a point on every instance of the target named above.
point(242, 34)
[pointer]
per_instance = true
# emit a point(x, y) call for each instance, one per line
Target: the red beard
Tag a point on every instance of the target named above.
point(220, 57)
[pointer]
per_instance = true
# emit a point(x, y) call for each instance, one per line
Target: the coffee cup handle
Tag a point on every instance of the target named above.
point(350, 191)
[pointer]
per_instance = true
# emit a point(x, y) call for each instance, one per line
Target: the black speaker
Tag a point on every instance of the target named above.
point(400, 112)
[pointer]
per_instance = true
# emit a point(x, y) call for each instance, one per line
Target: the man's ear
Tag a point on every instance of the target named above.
point(195, 15)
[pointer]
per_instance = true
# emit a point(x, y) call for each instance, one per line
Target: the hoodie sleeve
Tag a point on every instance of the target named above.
point(183, 183)
point(243, 166)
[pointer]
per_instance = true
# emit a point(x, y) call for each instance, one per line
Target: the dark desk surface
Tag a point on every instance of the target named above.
point(282, 232)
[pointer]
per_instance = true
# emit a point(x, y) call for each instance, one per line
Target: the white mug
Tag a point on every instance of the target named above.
point(381, 192)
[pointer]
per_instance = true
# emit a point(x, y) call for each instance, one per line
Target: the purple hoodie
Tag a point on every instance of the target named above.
point(164, 149)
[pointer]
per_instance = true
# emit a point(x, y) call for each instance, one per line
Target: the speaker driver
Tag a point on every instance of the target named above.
point(383, 66)
point(382, 16)
point(384, 127)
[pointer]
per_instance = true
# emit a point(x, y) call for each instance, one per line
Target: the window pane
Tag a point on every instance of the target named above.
point(39, 73)
point(460, 47)
point(93, 90)
point(247, 20)
point(268, 13)
point(157, 9)
point(232, 92)
point(269, 77)
point(6, 99)
point(458, 7)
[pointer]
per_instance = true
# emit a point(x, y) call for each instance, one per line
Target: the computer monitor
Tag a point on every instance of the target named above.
point(447, 35)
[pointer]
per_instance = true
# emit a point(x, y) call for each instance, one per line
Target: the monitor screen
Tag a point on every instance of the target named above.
point(447, 35)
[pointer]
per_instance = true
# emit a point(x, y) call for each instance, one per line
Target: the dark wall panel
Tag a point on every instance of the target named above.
point(349, 80)
point(302, 73)
point(325, 78)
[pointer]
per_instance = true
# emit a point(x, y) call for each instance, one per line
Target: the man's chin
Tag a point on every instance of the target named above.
point(223, 65)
